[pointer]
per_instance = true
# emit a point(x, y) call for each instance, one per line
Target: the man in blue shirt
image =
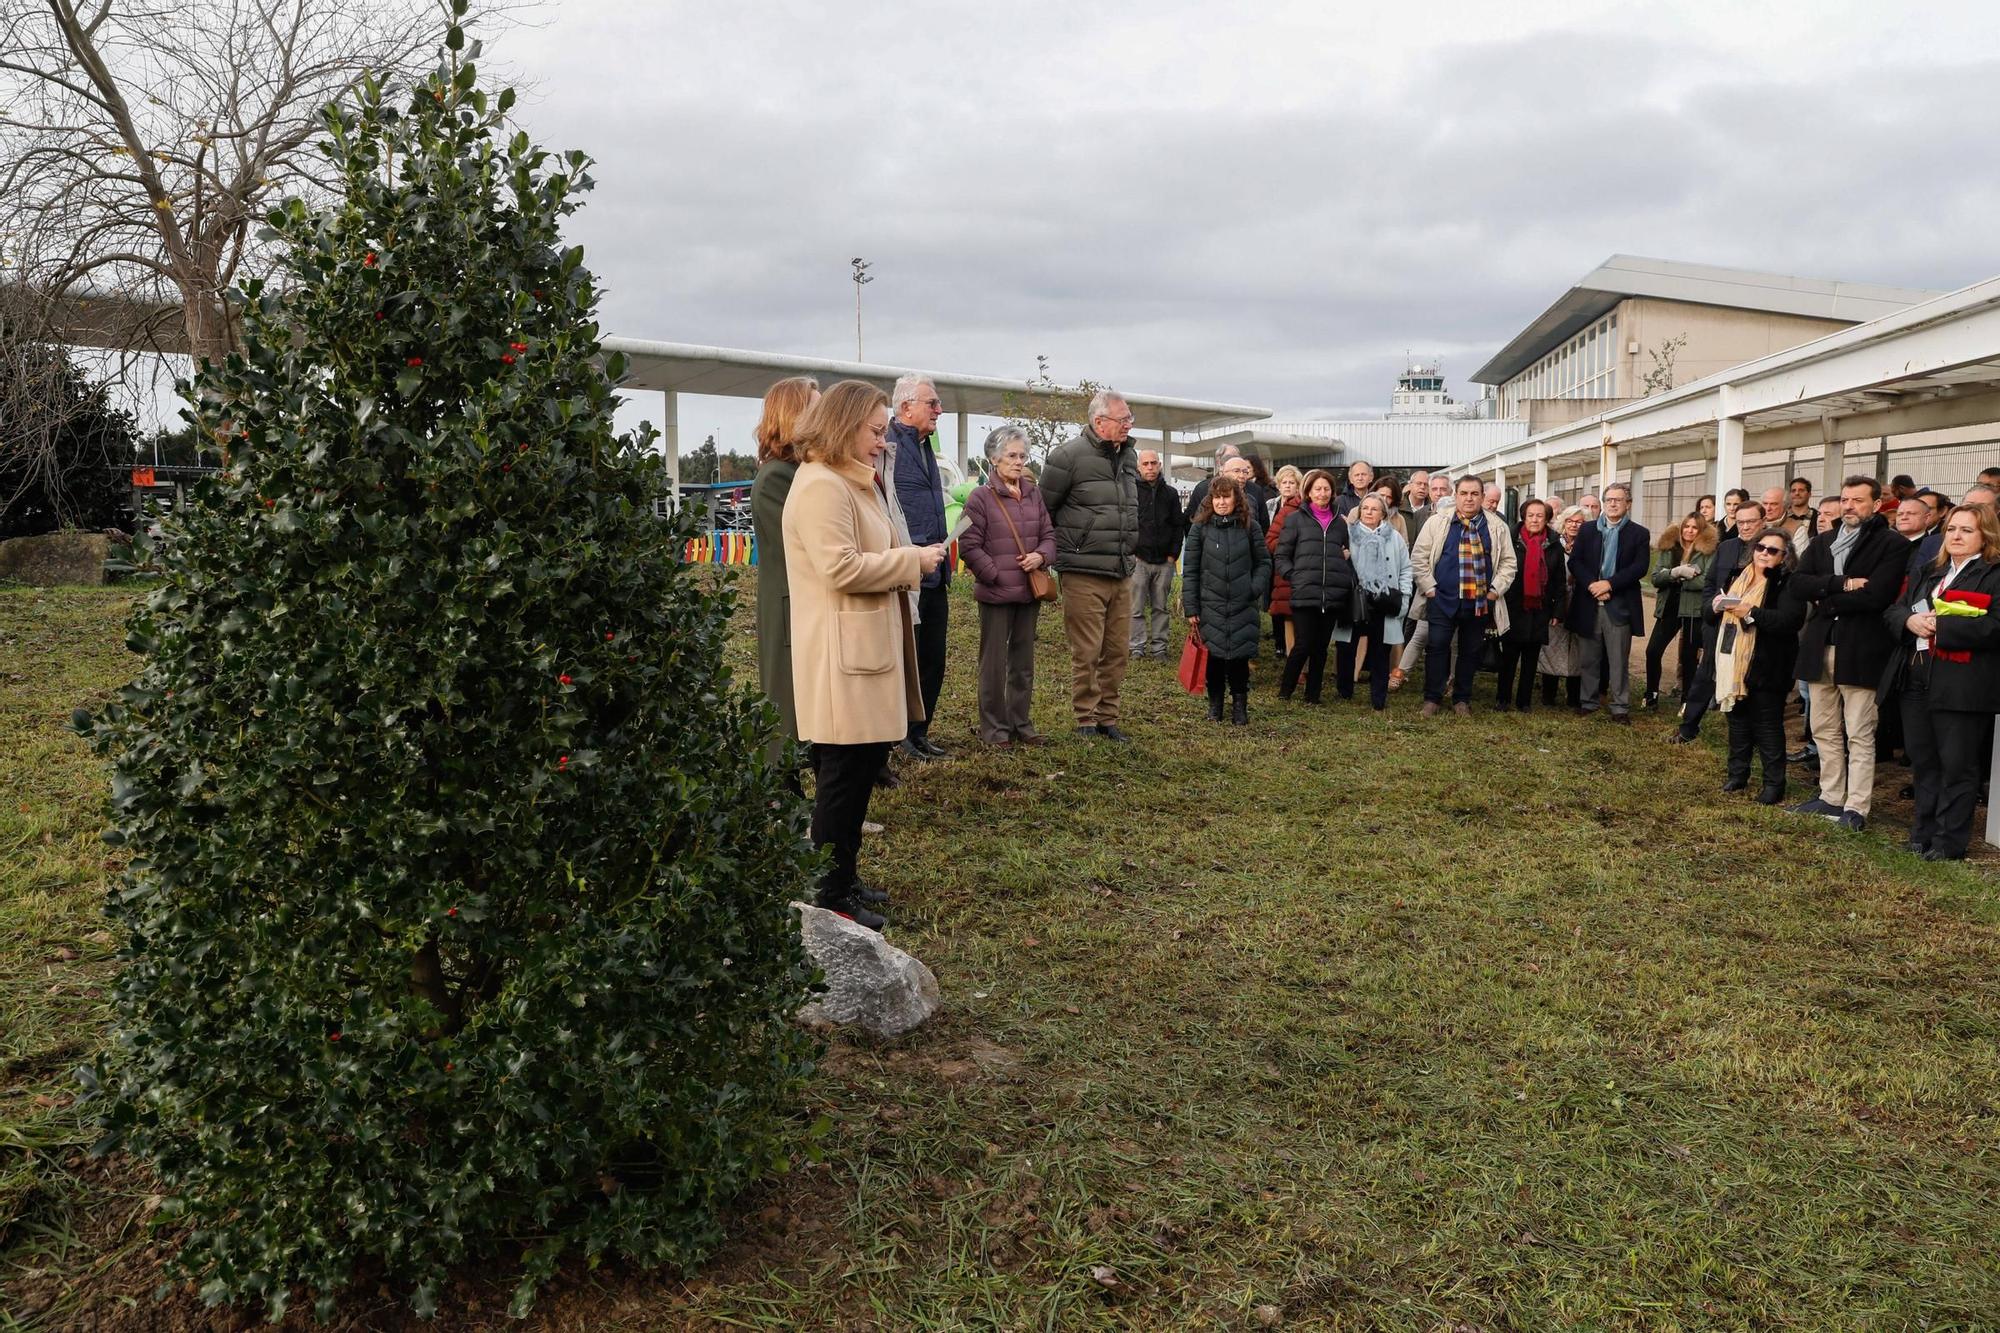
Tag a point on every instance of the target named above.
point(916, 495)
point(1463, 563)
point(1605, 610)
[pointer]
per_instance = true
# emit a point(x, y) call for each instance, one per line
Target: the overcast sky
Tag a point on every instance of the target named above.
point(1261, 203)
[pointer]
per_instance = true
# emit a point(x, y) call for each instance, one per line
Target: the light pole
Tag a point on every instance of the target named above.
point(861, 279)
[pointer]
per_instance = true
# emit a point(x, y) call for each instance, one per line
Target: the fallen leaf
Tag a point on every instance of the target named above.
point(1268, 1315)
point(1104, 1275)
point(67, 955)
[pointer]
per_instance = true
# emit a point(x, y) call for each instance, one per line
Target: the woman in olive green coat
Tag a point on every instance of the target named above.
point(777, 464)
point(1680, 567)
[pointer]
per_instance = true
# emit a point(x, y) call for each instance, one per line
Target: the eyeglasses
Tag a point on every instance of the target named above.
point(933, 402)
point(1119, 421)
point(1770, 550)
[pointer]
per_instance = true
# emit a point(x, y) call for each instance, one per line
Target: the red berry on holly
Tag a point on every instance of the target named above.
point(451, 911)
point(609, 636)
point(506, 467)
point(519, 347)
point(562, 680)
point(368, 260)
point(379, 315)
point(507, 359)
point(523, 447)
point(334, 1037)
point(415, 361)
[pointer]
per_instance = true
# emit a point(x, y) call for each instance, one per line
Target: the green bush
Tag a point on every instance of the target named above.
point(456, 918)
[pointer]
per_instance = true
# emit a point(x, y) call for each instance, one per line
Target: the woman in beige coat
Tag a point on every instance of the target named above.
point(854, 674)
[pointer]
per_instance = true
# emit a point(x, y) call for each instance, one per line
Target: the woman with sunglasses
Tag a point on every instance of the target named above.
point(1755, 648)
point(1950, 667)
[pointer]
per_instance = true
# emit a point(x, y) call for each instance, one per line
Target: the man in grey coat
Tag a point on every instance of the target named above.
point(1091, 487)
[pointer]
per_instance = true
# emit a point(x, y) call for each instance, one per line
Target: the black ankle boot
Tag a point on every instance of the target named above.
point(1239, 710)
point(1214, 709)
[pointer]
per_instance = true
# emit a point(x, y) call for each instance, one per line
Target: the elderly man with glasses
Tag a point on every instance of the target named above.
point(1091, 487)
point(914, 487)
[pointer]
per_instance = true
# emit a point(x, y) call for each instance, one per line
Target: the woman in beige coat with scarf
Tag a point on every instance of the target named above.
point(854, 674)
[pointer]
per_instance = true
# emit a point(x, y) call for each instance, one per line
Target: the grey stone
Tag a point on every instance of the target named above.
point(870, 983)
point(55, 558)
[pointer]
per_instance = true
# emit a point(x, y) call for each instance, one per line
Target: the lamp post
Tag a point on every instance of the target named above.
point(861, 279)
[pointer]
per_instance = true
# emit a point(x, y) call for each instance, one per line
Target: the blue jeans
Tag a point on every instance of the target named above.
point(1470, 632)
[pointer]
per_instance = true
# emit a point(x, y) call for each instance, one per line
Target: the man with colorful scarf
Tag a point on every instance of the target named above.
point(1606, 610)
point(1464, 563)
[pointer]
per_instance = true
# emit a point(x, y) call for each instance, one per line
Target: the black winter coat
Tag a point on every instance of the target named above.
point(1091, 489)
point(1962, 687)
point(1225, 577)
point(1314, 561)
point(1777, 622)
point(1851, 622)
point(1532, 627)
point(1161, 524)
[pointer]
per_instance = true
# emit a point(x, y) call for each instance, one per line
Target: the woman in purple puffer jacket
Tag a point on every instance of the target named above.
point(1007, 534)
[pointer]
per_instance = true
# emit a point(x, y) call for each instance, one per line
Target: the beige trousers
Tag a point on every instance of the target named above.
point(1096, 614)
point(1843, 727)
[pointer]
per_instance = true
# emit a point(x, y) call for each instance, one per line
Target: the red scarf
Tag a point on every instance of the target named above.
point(1535, 577)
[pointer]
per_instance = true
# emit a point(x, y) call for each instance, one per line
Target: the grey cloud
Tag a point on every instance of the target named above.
point(1277, 254)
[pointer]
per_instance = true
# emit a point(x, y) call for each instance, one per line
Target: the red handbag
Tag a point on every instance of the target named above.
point(1194, 664)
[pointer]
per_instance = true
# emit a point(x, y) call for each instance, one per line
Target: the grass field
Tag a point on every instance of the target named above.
point(1340, 1021)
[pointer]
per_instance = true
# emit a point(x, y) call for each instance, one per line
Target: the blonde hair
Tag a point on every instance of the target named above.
point(777, 430)
point(826, 432)
point(1298, 478)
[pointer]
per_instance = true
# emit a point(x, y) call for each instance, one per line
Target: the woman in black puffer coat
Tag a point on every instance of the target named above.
point(1225, 576)
point(1312, 553)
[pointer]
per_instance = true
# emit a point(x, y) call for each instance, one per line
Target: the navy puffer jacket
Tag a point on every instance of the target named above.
point(1225, 576)
point(1315, 560)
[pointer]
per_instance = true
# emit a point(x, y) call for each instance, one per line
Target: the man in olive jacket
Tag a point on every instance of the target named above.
point(1091, 486)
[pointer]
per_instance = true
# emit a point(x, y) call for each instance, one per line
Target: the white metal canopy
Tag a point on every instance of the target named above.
point(732, 373)
point(677, 368)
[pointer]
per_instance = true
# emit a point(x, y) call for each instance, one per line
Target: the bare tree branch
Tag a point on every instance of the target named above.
point(141, 138)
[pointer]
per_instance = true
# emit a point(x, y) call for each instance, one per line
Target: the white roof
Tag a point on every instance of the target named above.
point(1401, 442)
point(1701, 284)
point(1929, 366)
point(732, 373)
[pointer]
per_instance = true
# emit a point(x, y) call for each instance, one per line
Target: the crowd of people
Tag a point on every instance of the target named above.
point(1870, 610)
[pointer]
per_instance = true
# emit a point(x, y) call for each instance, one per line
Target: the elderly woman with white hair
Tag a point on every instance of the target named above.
point(1381, 560)
point(1008, 544)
